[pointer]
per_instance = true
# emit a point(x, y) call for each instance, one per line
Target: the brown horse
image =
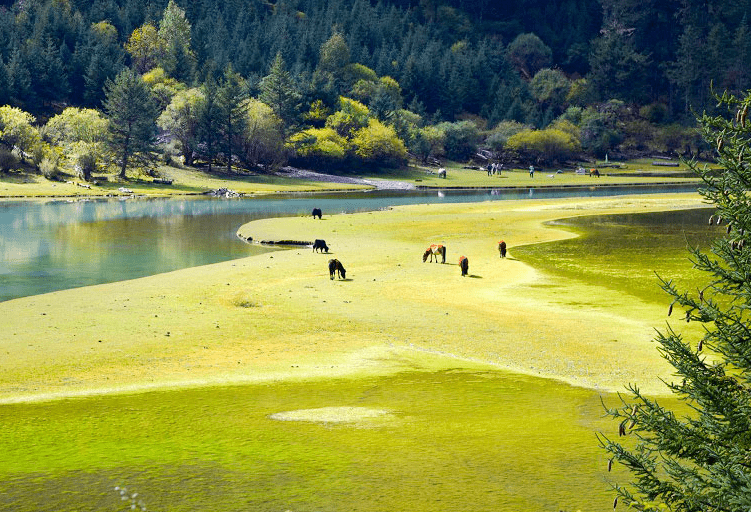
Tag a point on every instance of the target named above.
point(464, 265)
point(434, 251)
point(335, 266)
point(502, 248)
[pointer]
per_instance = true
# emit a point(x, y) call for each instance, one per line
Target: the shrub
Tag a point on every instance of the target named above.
point(85, 165)
point(378, 144)
point(49, 168)
point(672, 138)
point(551, 144)
point(16, 130)
point(8, 160)
point(351, 116)
point(317, 146)
point(498, 137)
point(461, 139)
point(639, 135)
point(654, 112)
point(427, 142)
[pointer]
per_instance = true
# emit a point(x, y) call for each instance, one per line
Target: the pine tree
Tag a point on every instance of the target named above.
point(209, 118)
point(232, 99)
point(4, 96)
point(174, 30)
point(19, 79)
point(702, 462)
point(279, 93)
point(132, 113)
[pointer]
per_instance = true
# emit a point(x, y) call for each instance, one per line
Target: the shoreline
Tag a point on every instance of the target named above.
point(300, 181)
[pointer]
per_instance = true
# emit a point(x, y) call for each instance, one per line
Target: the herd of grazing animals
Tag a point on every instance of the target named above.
point(434, 251)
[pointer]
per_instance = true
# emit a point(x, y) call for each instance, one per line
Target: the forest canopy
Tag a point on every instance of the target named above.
point(614, 70)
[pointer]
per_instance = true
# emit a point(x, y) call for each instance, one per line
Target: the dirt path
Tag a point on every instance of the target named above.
point(291, 172)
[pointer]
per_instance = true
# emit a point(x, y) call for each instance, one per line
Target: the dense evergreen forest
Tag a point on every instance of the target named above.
point(593, 75)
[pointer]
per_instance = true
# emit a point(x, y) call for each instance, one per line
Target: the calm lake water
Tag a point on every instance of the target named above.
point(56, 245)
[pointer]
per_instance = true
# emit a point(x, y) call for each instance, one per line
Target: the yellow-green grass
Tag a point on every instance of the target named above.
point(184, 181)
point(278, 316)
point(460, 177)
point(196, 181)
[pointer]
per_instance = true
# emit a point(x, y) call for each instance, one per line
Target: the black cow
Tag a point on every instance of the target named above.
point(336, 266)
point(317, 213)
point(320, 245)
point(463, 264)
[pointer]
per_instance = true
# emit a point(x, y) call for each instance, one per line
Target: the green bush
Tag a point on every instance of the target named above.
point(548, 145)
point(498, 137)
point(85, 165)
point(461, 139)
point(8, 161)
point(319, 146)
point(49, 168)
point(378, 144)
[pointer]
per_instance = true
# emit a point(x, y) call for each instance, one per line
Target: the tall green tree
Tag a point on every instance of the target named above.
point(180, 119)
point(334, 56)
point(146, 47)
point(232, 99)
point(529, 54)
point(104, 60)
point(278, 92)
point(17, 131)
point(700, 461)
point(174, 30)
point(132, 114)
point(81, 133)
point(209, 116)
point(618, 69)
point(19, 78)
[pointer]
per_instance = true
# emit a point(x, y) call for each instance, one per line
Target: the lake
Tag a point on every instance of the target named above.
point(56, 245)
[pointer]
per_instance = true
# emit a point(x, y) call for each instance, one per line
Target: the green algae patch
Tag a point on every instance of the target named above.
point(459, 439)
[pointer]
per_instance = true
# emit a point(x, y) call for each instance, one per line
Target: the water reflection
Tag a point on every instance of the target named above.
point(60, 244)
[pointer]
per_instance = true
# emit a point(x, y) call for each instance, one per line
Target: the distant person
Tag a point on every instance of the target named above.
point(531, 171)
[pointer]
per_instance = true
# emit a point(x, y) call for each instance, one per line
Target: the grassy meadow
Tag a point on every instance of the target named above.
point(261, 384)
point(194, 181)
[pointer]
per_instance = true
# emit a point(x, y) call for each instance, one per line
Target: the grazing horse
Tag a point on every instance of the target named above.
point(320, 245)
point(334, 267)
point(464, 265)
point(317, 213)
point(435, 250)
point(502, 248)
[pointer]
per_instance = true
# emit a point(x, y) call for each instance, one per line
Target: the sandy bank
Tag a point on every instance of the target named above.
point(278, 316)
